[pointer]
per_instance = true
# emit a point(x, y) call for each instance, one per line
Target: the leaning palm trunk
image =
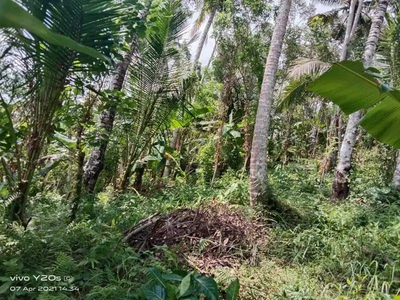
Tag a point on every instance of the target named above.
point(396, 175)
point(340, 187)
point(258, 162)
point(96, 161)
point(204, 37)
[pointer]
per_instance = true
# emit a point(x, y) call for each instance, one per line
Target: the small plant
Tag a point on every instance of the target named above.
point(183, 285)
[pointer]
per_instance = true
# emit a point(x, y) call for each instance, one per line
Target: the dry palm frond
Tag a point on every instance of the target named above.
point(308, 66)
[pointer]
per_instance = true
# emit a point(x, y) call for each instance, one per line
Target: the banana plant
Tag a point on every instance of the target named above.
point(352, 88)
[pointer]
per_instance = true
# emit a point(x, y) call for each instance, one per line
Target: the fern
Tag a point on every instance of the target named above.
point(64, 265)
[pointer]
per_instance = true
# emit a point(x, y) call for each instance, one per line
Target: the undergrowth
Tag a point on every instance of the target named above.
point(316, 249)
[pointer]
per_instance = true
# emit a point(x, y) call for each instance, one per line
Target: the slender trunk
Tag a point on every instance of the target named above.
point(96, 161)
point(36, 142)
point(396, 175)
point(248, 136)
point(204, 37)
point(79, 178)
point(336, 139)
point(356, 18)
point(229, 82)
point(80, 158)
point(127, 174)
point(349, 28)
point(137, 185)
point(218, 145)
point(212, 53)
point(327, 162)
point(258, 163)
point(286, 140)
point(316, 142)
point(340, 187)
point(173, 142)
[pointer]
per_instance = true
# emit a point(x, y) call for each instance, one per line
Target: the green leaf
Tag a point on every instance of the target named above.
point(4, 288)
point(232, 291)
point(383, 122)
point(70, 143)
point(14, 16)
point(186, 287)
point(235, 134)
point(172, 277)
point(156, 275)
point(155, 293)
point(348, 85)
point(208, 286)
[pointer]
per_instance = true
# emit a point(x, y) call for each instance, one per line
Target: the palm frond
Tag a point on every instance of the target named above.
point(295, 93)
point(308, 66)
point(155, 80)
point(328, 17)
point(198, 22)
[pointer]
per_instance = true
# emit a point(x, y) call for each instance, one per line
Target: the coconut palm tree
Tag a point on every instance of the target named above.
point(340, 187)
point(258, 162)
point(210, 8)
point(157, 83)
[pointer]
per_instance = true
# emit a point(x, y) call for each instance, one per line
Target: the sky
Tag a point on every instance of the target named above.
point(208, 47)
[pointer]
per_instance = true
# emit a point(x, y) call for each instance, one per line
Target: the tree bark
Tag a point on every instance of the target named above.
point(349, 29)
point(229, 82)
point(335, 141)
point(137, 185)
point(80, 157)
point(258, 162)
point(96, 161)
point(204, 37)
point(396, 175)
point(172, 144)
point(248, 136)
point(340, 187)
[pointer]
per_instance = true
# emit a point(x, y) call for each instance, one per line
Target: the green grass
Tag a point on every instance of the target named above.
point(316, 249)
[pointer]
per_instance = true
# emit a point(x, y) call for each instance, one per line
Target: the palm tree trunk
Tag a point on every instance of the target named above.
point(96, 161)
point(396, 175)
point(340, 187)
point(258, 162)
point(349, 29)
point(173, 142)
point(204, 37)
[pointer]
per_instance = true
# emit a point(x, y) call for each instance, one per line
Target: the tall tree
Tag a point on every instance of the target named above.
point(96, 161)
point(203, 38)
point(340, 187)
point(258, 162)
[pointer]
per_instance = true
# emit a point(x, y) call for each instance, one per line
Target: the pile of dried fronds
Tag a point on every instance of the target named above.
point(209, 237)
